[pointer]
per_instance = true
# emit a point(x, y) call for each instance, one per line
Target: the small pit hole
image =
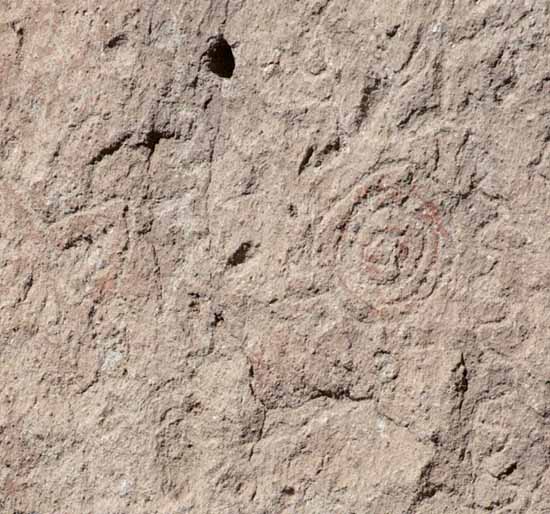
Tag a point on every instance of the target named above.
point(240, 255)
point(219, 58)
point(116, 41)
point(288, 490)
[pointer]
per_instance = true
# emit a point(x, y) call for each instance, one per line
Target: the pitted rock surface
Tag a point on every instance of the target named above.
point(275, 257)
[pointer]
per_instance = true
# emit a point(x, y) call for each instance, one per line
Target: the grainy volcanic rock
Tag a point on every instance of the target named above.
point(285, 257)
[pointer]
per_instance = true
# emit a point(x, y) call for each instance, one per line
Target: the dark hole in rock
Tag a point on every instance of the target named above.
point(392, 31)
point(152, 139)
point(117, 40)
point(216, 318)
point(220, 59)
point(240, 255)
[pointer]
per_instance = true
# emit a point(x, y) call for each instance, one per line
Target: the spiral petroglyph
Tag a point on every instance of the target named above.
point(384, 242)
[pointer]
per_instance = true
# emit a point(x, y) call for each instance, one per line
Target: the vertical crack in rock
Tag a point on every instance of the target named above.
point(305, 159)
point(20, 34)
point(264, 409)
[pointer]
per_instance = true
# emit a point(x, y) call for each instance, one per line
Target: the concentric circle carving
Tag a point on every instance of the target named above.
point(384, 242)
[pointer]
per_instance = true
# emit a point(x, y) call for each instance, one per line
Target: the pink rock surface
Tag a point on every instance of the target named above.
point(274, 257)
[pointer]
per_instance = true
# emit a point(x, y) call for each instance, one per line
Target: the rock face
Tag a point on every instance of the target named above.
point(275, 257)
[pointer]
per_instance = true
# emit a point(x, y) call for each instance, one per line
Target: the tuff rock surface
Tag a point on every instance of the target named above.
point(275, 257)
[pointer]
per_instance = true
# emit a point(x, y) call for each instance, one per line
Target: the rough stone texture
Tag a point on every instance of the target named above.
point(316, 283)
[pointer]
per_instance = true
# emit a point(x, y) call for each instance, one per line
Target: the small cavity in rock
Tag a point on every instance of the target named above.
point(220, 59)
point(240, 254)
